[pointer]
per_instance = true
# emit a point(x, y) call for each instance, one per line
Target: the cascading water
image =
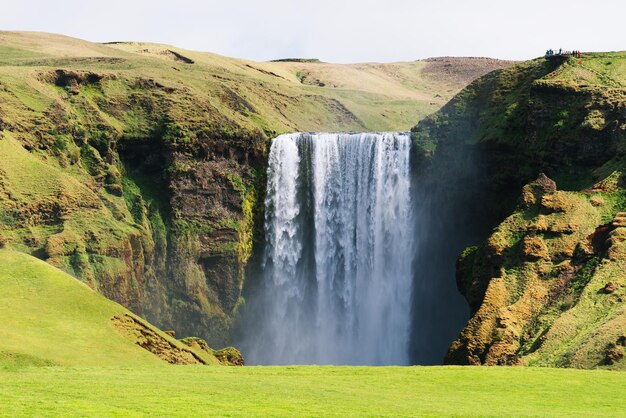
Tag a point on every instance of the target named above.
point(337, 277)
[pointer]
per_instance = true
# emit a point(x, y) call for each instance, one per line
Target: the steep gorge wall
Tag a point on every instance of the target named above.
point(546, 288)
point(137, 195)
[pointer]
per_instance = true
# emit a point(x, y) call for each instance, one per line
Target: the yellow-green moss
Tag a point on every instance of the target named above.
point(547, 306)
point(246, 228)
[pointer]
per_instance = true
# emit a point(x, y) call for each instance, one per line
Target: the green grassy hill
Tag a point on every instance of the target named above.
point(272, 96)
point(50, 318)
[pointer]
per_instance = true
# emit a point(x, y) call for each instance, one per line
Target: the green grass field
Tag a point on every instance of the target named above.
point(311, 391)
point(60, 356)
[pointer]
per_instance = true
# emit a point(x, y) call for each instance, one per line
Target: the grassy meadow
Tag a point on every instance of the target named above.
point(270, 96)
point(311, 391)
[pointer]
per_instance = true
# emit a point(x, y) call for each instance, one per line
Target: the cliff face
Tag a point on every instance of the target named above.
point(139, 168)
point(547, 287)
point(134, 194)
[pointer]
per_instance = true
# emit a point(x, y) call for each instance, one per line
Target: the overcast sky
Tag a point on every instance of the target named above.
point(336, 30)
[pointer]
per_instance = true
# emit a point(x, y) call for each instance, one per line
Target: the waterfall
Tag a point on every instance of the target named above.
point(336, 280)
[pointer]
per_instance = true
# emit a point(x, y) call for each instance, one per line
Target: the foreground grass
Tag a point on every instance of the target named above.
point(311, 391)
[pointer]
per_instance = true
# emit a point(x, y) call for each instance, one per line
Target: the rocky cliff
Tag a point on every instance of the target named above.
point(139, 168)
point(119, 184)
point(536, 151)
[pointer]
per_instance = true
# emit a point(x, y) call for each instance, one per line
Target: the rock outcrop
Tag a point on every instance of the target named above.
point(149, 339)
point(538, 287)
point(229, 356)
point(545, 287)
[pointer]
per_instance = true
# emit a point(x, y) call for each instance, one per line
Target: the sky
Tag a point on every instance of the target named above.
point(341, 31)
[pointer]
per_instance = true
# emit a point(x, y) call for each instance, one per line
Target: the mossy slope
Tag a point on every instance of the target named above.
point(547, 288)
point(50, 318)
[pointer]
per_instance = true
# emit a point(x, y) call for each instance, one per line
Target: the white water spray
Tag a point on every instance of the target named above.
point(337, 277)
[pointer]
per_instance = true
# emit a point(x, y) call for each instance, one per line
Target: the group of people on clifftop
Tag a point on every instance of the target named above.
point(561, 53)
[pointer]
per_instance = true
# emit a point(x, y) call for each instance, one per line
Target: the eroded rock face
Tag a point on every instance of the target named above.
point(533, 192)
point(149, 339)
point(539, 290)
point(534, 248)
point(229, 356)
point(213, 198)
point(158, 217)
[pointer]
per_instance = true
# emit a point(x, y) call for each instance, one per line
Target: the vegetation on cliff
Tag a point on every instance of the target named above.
point(138, 168)
point(562, 116)
point(548, 286)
